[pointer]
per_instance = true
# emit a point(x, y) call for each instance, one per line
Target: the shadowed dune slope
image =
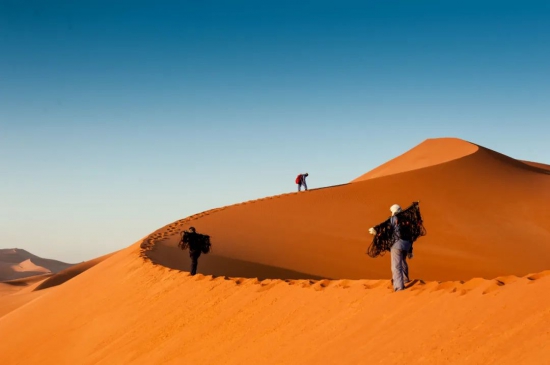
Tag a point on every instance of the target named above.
point(543, 167)
point(482, 213)
point(127, 311)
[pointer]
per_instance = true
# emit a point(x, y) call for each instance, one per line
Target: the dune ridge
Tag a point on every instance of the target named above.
point(433, 151)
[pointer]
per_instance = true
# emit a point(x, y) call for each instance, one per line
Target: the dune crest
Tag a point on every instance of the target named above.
point(28, 265)
point(428, 153)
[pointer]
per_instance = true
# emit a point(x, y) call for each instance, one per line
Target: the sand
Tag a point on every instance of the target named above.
point(288, 281)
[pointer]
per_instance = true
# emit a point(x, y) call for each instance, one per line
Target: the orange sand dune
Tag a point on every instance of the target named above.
point(71, 272)
point(538, 165)
point(18, 292)
point(482, 213)
point(428, 153)
point(487, 227)
point(126, 311)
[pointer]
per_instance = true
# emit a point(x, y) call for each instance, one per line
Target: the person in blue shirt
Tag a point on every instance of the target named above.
point(399, 251)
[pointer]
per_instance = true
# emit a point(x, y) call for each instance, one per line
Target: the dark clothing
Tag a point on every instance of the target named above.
point(194, 251)
point(400, 243)
point(302, 182)
point(194, 255)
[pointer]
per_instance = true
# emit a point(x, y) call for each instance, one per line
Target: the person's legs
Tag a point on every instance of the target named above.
point(305, 185)
point(405, 266)
point(299, 187)
point(194, 261)
point(397, 269)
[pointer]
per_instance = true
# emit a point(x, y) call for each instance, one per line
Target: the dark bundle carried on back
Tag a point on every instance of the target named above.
point(195, 242)
point(410, 228)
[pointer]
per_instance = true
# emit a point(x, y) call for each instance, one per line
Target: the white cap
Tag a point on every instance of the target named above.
point(395, 209)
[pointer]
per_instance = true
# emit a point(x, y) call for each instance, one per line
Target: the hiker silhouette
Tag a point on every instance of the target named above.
point(197, 244)
point(301, 181)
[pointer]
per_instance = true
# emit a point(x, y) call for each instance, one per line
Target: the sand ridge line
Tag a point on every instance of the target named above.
point(171, 229)
point(483, 286)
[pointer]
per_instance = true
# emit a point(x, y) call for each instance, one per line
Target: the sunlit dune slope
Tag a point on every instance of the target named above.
point(71, 272)
point(428, 153)
point(18, 292)
point(127, 311)
point(482, 212)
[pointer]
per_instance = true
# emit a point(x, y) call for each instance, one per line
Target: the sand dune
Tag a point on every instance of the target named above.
point(126, 311)
point(482, 213)
point(71, 272)
point(428, 153)
point(16, 263)
point(480, 292)
point(16, 293)
point(28, 266)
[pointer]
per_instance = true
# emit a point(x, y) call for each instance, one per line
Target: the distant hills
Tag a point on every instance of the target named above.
point(16, 263)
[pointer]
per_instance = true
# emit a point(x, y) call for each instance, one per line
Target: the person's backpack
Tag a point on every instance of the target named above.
point(195, 241)
point(405, 227)
point(299, 179)
point(206, 245)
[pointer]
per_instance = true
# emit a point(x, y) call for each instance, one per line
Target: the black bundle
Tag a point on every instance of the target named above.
point(410, 228)
point(195, 241)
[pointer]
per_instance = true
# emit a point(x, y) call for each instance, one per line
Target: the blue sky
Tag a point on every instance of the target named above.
point(118, 119)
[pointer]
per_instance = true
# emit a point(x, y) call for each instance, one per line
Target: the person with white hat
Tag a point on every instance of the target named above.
point(399, 251)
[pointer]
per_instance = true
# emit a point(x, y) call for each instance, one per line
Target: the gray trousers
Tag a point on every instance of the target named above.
point(399, 268)
point(302, 184)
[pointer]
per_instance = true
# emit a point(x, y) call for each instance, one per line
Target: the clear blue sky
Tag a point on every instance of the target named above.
point(118, 119)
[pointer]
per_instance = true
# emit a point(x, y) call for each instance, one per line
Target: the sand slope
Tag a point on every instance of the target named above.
point(69, 273)
point(126, 311)
point(16, 293)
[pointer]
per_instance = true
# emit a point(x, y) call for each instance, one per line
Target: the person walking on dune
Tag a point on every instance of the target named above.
point(301, 181)
point(399, 251)
point(197, 244)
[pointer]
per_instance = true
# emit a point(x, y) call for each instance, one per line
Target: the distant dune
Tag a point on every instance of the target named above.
point(17, 263)
point(288, 281)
